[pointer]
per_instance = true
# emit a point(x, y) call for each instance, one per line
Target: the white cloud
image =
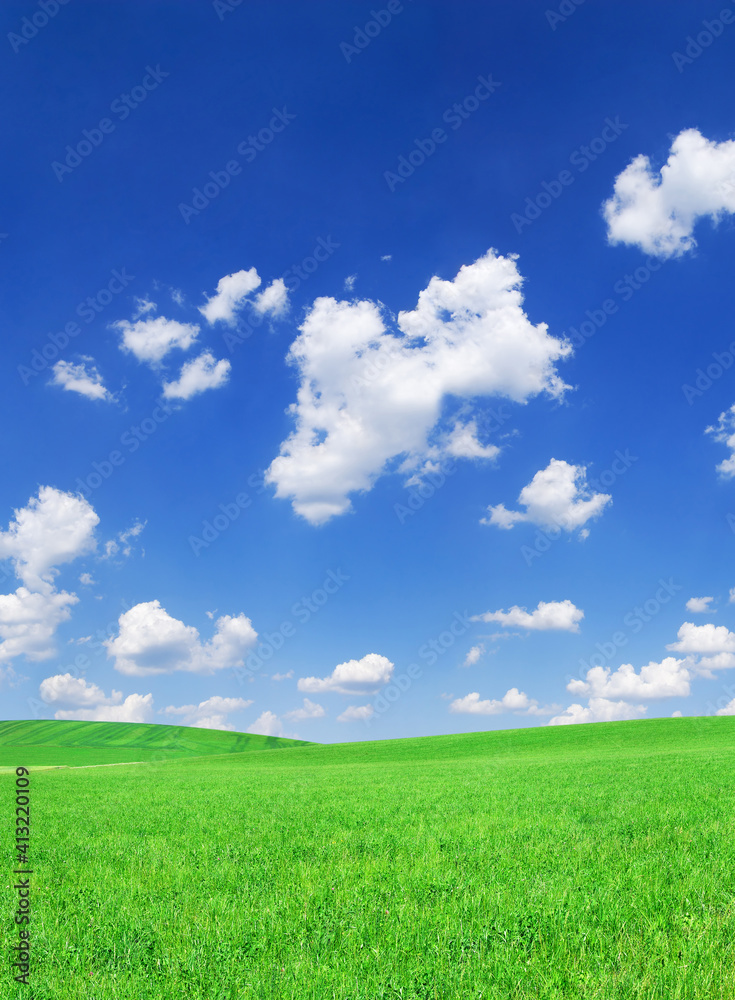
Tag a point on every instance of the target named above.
point(513, 700)
point(355, 676)
point(350, 282)
point(368, 396)
point(704, 639)
point(150, 641)
point(232, 292)
point(729, 709)
point(598, 710)
point(283, 677)
point(65, 689)
point(699, 605)
point(143, 306)
point(273, 300)
point(387, 256)
point(81, 378)
point(678, 715)
point(462, 442)
point(209, 714)
point(560, 616)
point(150, 340)
point(135, 708)
point(473, 655)
point(267, 724)
point(121, 545)
point(658, 211)
point(556, 497)
point(198, 375)
point(86, 580)
point(355, 713)
point(310, 710)
point(52, 529)
point(28, 622)
point(724, 432)
point(667, 679)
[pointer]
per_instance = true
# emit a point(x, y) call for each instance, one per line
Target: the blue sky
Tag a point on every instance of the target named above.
point(320, 293)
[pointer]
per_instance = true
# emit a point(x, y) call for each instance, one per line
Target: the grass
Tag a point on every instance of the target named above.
point(76, 744)
point(582, 861)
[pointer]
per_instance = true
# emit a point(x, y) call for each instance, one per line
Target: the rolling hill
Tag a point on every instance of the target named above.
point(54, 743)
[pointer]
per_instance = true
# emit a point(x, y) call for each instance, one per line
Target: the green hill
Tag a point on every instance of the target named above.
point(50, 742)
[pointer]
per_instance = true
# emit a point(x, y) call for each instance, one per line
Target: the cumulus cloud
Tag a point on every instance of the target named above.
point(368, 396)
point(52, 529)
point(273, 300)
point(729, 709)
point(707, 639)
point(556, 497)
point(364, 676)
point(135, 708)
point(356, 713)
point(598, 710)
point(513, 700)
point(724, 432)
point(282, 677)
point(232, 292)
point(667, 679)
point(150, 340)
point(699, 605)
point(91, 704)
point(309, 710)
point(150, 641)
point(198, 375)
point(658, 211)
point(82, 378)
point(28, 622)
point(209, 714)
point(473, 655)
point(560, 616)
point(65, 689)
point(267, 724)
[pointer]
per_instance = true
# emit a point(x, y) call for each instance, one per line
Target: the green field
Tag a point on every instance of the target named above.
point(589, 861)
point(75, 744)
